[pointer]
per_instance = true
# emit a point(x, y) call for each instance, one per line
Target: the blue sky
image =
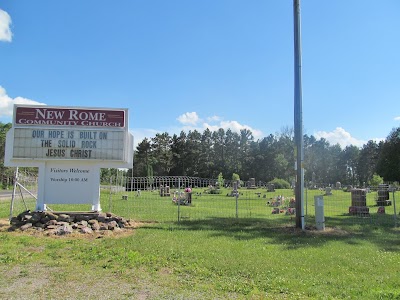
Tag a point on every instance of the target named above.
point(182, 64)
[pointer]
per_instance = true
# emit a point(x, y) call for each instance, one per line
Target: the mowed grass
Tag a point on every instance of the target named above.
point(209, 253)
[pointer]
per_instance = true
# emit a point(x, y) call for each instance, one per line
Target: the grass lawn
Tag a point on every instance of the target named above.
point(209, 254)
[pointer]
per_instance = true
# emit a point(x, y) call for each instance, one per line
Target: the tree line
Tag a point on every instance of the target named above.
point(210, 153)
point(207, 154)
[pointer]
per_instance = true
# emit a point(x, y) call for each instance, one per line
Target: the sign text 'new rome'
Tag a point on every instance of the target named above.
point(40, 116)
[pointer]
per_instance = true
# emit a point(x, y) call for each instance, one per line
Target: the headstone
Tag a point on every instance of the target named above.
point(358, 197)
point(349, 188)
point(383, 195)
point(252, 183)
point(328, 191)
point(164, 191)
point(234, 192)
point(359, 202)
point(275, 210)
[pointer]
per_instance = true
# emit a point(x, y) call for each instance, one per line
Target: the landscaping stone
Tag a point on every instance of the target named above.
point(112, 225)
point(96, 226)
point(64, 229)
point(53, 223)
point(91, 222)
point(65, 218)
point(86, 230)
point(26, 226)
point(102, 217)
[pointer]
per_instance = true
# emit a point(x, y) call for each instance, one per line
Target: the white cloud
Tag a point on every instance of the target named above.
point(232, 125)
point(188, 125)
point(7, 103)
point(213, 119)
point(397, 118)
point(339, 136)
point(235, 126)
point(189, 118)
point(5, 31)
point(192, 121)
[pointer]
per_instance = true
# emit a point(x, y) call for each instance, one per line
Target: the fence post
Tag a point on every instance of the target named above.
point(237, 205)
point(306, 214)
point(179, 200)
point(13, 193)
point(394, 209)
point(235, 186)
point(109, 196)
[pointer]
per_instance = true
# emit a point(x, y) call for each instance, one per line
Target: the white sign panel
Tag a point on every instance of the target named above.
point(70, 183)
point(50, 144)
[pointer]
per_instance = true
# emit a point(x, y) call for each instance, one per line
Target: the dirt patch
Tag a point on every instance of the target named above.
point(329, 231)
point(312, 230)
point(4, 225)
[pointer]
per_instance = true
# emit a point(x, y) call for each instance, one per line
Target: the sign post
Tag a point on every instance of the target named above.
point(69, 145)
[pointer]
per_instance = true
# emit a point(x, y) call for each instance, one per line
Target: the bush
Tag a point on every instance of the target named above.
point(376, 180)
point(280, 183)
point(235, 177)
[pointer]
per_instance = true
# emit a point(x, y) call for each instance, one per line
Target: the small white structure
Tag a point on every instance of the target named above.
point(319, 212)
point(69, 145)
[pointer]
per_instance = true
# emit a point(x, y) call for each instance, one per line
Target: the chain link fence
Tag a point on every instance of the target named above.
point(354, 206)
point(164, 199)
point(182, 198)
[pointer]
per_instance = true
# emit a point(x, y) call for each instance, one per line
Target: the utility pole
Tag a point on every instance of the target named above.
point(298, 118)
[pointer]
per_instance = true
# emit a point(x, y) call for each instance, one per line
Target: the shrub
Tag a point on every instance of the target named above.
point(235, 177)
point(280, 183)
point(221, 180)
point(376, 180)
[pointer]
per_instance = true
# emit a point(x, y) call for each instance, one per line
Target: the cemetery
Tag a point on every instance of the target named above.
point(166, 225)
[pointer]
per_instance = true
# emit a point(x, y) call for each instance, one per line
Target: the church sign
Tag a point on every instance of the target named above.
point(69, 145)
